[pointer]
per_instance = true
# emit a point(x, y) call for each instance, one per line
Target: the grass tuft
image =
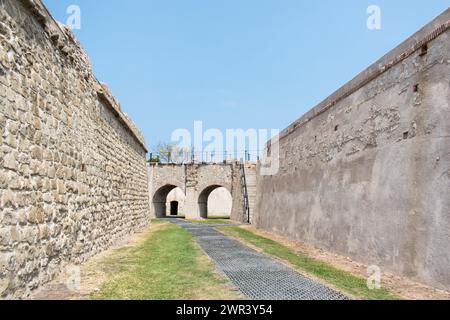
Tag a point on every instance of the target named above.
point(212, 221)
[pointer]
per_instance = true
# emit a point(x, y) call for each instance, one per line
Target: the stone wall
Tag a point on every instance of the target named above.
point(73, 176)
point(367, 172)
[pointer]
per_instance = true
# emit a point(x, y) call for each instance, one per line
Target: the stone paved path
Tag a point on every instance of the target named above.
point(256, 275)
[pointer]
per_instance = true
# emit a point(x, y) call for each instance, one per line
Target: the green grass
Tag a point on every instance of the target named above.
point(167, 265)
point(340, 279)
point(212, 221)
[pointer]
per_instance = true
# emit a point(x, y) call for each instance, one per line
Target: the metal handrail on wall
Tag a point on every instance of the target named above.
point(205, 157)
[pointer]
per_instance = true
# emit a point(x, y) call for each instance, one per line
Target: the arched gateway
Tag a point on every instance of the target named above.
point(159, 201)
point(198, 182)
point(205, 202)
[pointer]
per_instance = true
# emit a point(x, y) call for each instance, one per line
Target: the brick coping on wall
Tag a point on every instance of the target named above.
point(428, 33)
point(64, 40)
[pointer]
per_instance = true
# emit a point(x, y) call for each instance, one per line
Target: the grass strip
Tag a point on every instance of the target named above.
point(168, 265)
point(340, 279)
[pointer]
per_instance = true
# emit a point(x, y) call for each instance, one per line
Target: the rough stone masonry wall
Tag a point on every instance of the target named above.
point(367, 173)
point(73, 176)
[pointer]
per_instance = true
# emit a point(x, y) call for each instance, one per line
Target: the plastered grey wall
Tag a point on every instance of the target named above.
point(73, 176)
point(367, 172)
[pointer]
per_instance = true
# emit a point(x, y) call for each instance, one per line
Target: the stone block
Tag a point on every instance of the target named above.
point(9, 161)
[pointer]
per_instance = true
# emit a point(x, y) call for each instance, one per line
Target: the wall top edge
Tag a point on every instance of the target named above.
point(428, 33)
point(65, 41)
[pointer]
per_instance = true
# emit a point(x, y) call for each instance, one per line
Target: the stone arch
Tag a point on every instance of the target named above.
point(203, 199)
point(159, 200)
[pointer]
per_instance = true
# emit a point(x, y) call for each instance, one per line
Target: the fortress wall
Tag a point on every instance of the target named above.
point(366, 173)
point(73, 177)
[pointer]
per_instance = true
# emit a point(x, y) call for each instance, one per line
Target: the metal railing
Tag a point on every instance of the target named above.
point(205, 157)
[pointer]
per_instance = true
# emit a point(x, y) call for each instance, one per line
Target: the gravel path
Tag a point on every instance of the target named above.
point(256, 275)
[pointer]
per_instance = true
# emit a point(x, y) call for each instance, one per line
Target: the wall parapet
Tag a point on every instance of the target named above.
point(417, 41)
point(65, 41)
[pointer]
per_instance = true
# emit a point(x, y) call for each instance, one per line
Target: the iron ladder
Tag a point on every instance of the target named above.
point(245, 202)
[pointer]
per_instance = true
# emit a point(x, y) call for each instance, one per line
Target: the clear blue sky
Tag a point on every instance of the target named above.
point(234, 63)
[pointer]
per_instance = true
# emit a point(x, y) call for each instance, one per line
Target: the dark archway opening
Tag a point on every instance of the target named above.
point(174, 208)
